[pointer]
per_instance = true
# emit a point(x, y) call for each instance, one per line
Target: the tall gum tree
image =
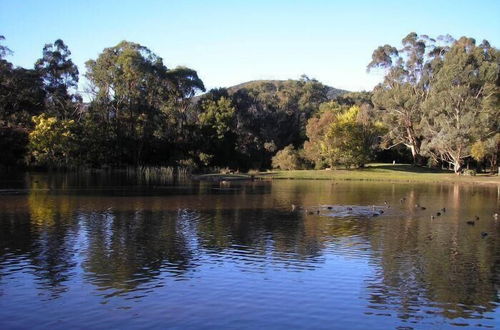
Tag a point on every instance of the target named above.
point(139, 96)
point(398, 99)
point(60, 78)
point(463, 104)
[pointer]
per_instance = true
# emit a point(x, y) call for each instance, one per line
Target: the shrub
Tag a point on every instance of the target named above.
point(53, 141)
point(287, 159)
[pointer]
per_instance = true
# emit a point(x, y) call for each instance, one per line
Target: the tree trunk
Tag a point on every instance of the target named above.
point(417, 158)
point(414, 146)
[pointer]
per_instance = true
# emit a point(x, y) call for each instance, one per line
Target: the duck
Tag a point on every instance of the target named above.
point(476, 217)
point(443, 209)
point(438, 214)
point(423, 208)
point(484, 234)
point(471, 223)
point(375, 215)
point(329, 207)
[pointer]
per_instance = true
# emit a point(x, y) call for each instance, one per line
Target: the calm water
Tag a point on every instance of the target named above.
point(102, 252)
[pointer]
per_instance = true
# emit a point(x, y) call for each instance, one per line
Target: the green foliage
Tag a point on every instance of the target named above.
point(478, 150)
point(13, 142)
point(350, 141)
point(273, 114)
point(217, 116)
point(52, 142)
point(287, 159)
point(142, 101)
point(205, 159)
point(439, 98)
point(216, 141)
point(60, 76)
point(463, 104)
point(21, 95)
point(97, 143)
point(341, 136)
point(399, 97)
point(4, 50)
point(487, 149)
point(355, 98)
point(317, 149)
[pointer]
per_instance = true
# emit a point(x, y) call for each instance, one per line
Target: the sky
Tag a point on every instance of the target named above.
point(230, 42)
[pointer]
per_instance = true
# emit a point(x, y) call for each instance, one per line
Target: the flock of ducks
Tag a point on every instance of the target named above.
point(376, 213)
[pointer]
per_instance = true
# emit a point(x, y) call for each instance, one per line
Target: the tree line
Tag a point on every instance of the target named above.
point(439, 103)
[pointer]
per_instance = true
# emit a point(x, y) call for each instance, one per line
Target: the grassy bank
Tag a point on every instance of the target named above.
point(383, 172)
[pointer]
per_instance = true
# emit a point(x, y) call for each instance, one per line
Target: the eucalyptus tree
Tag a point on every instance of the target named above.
point(463, 106)
point(217, 129)
point(4, 50)
point(128, 85)
point(21, 92)
point(185, 84)
point(21, 97)
point(135, 93)
point(60, 78)
point(408, 75)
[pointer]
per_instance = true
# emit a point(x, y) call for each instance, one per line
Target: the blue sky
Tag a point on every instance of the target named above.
point(229, 42)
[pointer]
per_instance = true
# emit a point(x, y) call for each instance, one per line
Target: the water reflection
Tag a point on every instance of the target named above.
point(64, 233)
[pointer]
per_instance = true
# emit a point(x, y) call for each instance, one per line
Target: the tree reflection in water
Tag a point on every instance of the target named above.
point(135, 243)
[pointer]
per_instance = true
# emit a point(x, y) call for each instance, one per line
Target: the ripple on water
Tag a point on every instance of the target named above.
point(242, 258)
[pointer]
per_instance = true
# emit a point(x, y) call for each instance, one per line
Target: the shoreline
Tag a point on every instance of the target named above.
point(402, 173)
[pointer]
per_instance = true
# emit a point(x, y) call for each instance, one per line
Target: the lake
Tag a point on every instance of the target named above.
point(102, 251)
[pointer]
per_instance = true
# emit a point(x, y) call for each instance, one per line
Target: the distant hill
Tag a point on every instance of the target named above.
point(332, 91)
point(275, 84)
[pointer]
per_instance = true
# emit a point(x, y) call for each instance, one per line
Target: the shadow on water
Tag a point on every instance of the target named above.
point(64, 233)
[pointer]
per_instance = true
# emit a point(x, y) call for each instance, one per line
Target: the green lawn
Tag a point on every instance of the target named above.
point(383, 172)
